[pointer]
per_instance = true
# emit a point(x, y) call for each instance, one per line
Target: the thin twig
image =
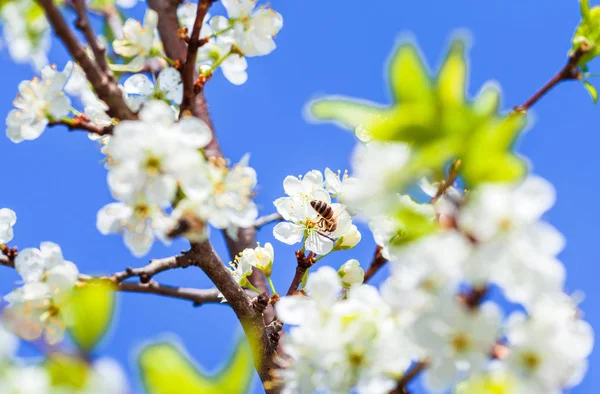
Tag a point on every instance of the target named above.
point(156, 266)
point(444, 186)
point(304, 262)
point(197, 296)
point(82, 124)
point(377, 262)
point(569, 72)
point(267, 219)
point(412, 373)
point(189, 68)
point(83, 24)
point(106, 90)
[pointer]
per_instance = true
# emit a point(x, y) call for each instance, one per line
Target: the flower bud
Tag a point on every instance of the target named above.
point(349, 239)
point(351, 273)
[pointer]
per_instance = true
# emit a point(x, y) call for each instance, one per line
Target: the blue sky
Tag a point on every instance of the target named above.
point(56, 184)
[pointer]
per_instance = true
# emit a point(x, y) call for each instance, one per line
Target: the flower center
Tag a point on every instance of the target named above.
point(461, 342)
point(152, 165)
point(530, 360)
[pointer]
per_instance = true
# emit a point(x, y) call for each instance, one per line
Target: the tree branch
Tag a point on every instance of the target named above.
point(252, 322)
point(84, 25)
point(106, 90)
point(376, 264)
point(304, 262)
point(267, 219)
point(80, 123)
point(197, 296)
point(189, 68)
point(412, 373)
point(156, 266)
point(569, 72)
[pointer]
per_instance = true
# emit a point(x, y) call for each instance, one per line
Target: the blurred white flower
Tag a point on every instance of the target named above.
point(351, 273)
point(8, 218)
point(39, 101)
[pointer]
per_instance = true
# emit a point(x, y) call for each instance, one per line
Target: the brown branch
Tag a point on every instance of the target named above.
point(304, 262)
point(80, 123)
point(98, 49)
point(377, 262)
point(267, 219)
point(411, 374)
point(444, 186)
point(252, 322)
point(168, 25)
point(197, 296)
point(107, 91)
point(189, 68)
point(569, 72)
point(156, 266)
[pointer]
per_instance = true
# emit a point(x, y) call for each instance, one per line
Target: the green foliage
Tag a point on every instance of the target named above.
point(166, 370)
point(486, 385)
point(591, 90)
point(89, 312)
point(587, 34)
point(66, 371)
point(414, 221)
point(434, 116)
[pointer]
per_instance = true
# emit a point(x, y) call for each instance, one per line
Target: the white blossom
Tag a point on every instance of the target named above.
point(138, 41)
point(231, 64)
point(241, 270)
point(153, 154)
point(303, 222)
point(252, 30)
point(39, 101)
point(26, 32)
point(186, 13)
point(139, 223)
point(456, 340)
point(8, 218)
point(548, 348)
point(36, 306)
point(351, 273)
point(340, 345)
point(260, 257)
point(377, 168)
point(139, 88)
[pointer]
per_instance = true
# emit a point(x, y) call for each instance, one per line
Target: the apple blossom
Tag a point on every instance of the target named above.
point(261, 257)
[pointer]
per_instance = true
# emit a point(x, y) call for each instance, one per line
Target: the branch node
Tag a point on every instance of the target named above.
point(260, 302)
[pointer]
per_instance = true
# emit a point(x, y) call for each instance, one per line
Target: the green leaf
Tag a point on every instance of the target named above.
point(346, 112)
point(89, 312)
point(67, 371)
point(167, 370)
point(486, 384)
point(414, 221)
point(408, 75)
point(591, 90)
point(452, 77)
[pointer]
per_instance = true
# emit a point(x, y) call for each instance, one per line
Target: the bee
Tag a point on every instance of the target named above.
point(327, 222)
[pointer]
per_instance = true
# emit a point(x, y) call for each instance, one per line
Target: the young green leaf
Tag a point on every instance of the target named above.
point(167, 370)
point(591, 90)
point(89, 313)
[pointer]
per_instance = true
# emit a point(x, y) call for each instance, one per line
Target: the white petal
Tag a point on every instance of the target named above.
point(138, 85)
point(318, 243)
point(288, 233)
point(194, 132)
point(30, 264)
point(293, 309)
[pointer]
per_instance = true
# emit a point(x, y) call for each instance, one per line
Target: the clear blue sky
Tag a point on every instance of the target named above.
point(56, 184)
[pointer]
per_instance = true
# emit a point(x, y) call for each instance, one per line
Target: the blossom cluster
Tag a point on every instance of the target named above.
point(433, 301)
point(36, 307)
point(303, 224)
point(157, 162)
